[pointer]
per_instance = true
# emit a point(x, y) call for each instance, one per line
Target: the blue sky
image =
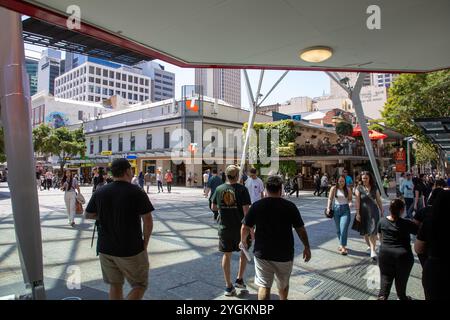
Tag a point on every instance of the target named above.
point(295, 84)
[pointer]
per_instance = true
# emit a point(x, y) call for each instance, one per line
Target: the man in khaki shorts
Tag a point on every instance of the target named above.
point(274, 218)
point(119, 208)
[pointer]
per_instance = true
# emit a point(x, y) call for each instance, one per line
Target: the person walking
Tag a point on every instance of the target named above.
point(213, 183)
point(386, 185)
point(419, 191)
point(368, 208)
point(141, 179)
point(148, 180)
point(119, 208)
point(324, 185)
point(159, 181)
point(432, 240)
point(255, 186)
point(296, 185)
point(348, 179)
point(339, 201)
point(224, 178)
point(274, 219)
point(407, 190)
point(38, 180)
point(232, 200)
point(48, 179)
point(69, 184)
point(169, 179)
point(205, 180)
point(395, 256)
point(317, 184)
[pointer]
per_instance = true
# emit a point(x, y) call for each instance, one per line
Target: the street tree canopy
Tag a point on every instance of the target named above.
point(60, 142)
point(418, 96)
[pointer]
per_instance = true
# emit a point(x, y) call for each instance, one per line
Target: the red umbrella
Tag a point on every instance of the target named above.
point(373, 135)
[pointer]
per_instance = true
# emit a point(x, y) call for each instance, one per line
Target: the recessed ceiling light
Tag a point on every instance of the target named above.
point(316, 54)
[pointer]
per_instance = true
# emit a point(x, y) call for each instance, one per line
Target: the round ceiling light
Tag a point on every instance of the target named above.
point(316, 54)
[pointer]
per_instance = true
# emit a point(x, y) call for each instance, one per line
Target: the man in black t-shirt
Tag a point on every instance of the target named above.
point(232, 200)
point(119, 208)
point(274, 218)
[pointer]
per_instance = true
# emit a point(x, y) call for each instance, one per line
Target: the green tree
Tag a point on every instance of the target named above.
point(344, 128)
point(418, 96)
point(60, 142)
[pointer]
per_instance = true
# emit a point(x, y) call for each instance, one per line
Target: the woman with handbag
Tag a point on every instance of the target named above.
point(69, 185)
point(368, 208)
point(338, 207)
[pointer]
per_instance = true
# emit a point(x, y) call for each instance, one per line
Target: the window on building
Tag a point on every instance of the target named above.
point(90, 98)
point(117, 92)
point(117, 85)
point(97, 80)
point(91, 70)
point(130, 87)
point(105, 82)
point(135, 79)
point(100, 145)
point(135, 88)
point(109, 143)
point(91, 146)
point(91, 79)
point(124, 86)
point(141, 90)
point(110, 92)
point(111, 74)
point(146, 82)
point(105, 73)
point(156, 80)
point(120, 143)
point(146, 90)
point(105, 91)
point(132, 142)
point(130, 96)
point(117, 76)
point(166, 140)
point(130, 79)
point(124, 77)
point(124, 95)
point(141, 98)
point(149, 140)
point(141, 81)
point(111, 83)
point(98, 71)
point(135, 96)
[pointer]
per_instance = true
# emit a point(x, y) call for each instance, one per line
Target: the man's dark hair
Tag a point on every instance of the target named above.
point(253, 170)
point(440, 183)
point(119, 167)
point(214, 171)
point(274, 184)
point(395, 207)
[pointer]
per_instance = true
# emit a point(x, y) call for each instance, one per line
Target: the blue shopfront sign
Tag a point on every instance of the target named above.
point(131, 157)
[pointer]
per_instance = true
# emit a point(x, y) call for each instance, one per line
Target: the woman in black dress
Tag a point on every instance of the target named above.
point(368, 208)
point(395, 257)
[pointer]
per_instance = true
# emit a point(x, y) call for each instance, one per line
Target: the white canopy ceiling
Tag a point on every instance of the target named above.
point(266, 33)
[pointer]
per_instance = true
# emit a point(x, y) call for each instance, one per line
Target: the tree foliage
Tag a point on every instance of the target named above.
point(418, 96)
point(60, 142)
point(344, 128)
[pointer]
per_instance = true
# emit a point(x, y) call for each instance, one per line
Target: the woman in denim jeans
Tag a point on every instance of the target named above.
point(340, 199)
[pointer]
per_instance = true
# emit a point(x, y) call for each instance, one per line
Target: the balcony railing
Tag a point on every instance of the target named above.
point(338, 150)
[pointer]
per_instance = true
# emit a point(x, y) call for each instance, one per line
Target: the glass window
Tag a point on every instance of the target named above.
point(141, 81)
point(109, 143)
point(135, 88)
point(97, 80)
point(120, 143)
point(149, 140)
point(124, 77)
point(111, 74)
point(132, 142)
point(130, 96)
point(135, 79)
point(91, 146)
point(105, 82)
point(100, 145)
point(117, 85)
point(166, 140)
point(91, 69)
point(130, 79)
point(98, 71)
point(124, 86)
point(91, 79)
point(135, 96)
point(146, 82)
point(117, 76)
point(130, 87)
point(111, 83)
point(105, 72)
point(91, 98)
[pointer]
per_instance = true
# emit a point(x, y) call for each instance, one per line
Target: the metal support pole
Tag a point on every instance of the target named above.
point(353, 94)
point(15, 115)
point(408, 157)
point(251, 121)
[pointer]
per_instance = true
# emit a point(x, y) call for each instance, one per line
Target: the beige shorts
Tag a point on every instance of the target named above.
point(265, 271)
point(134, 269)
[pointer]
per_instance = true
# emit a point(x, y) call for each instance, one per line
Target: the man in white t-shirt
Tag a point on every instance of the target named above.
point(205, 180)
point(255, 186)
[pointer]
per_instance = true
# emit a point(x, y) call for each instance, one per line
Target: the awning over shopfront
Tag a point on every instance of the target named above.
point(438, 131)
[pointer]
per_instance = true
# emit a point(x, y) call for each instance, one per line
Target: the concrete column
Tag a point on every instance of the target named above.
point(15, 116)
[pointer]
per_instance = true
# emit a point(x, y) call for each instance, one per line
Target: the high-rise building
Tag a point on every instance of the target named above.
point(48, 69)
point(31, 65)
point(224, 84)
point(163, 82)
point(95, 82)
point(383, 79)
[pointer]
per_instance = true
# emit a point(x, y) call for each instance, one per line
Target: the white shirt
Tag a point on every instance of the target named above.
point(158, 177)
point(340, 197)
point(254, 187)
point(135, 181)
point(205, 177)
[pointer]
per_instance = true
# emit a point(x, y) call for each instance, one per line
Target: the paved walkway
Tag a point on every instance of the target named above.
point(184, 260)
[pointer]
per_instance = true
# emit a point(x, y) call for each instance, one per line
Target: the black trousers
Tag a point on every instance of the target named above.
point(169, 186)
point(296, 189)
point(160, 185)
point(395, 265)
point(436, 279)
point(317, 190)
point(324, 189)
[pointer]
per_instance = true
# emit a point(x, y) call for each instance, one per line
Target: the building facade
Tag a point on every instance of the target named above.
point(49, 68)
point(223, 84)
point(93, 82)
point(163, 82)
point(32, 66)
point(58, 112)
point(154, 136)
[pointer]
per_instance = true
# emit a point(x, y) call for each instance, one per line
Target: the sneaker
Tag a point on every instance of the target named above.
point(240, 284)
point(230, 291)
point(373, 255)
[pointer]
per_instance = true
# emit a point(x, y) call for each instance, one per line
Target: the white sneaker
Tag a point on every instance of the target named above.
point(373, 255)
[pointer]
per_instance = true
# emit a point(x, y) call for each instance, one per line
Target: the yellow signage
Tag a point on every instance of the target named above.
point(132, 162)
point(106, 153)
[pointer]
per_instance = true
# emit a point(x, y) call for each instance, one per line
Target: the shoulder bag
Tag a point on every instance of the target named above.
point(330, 214)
